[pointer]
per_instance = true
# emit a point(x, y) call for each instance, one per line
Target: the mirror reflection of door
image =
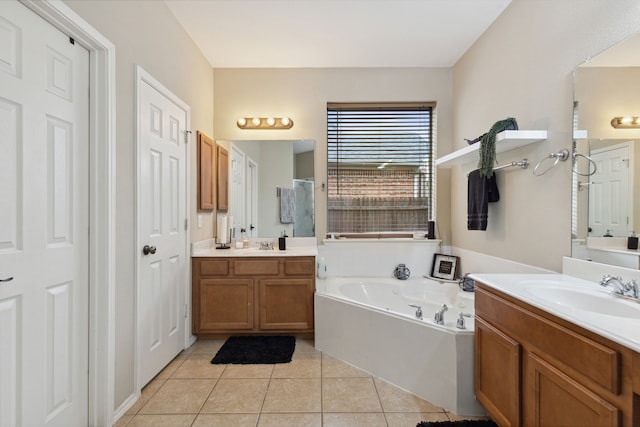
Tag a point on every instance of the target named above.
point(252, 198)
point(303, 225)
point(609, 198)
point(237, 193)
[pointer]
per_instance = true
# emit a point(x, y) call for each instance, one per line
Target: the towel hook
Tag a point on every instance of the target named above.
point(561, 155)
point(591, 163)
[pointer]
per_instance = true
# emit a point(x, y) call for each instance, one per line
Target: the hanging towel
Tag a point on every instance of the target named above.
point(481, 191)
point(488, 145)
point(287, 205)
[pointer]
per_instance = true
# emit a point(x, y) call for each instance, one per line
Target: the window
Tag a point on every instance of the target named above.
point(380, 167)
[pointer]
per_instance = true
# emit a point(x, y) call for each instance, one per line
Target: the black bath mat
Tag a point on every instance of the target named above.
point(256, 350)
point(462, 423)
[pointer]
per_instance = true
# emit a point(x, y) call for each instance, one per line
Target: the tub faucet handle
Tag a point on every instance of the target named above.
point(439, 317)
point(460, 323)
point(418, 310)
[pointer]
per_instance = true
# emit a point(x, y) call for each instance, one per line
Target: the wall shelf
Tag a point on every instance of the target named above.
point(505, 141)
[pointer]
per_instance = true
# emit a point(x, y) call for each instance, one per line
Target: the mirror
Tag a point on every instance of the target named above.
point(606, 202)
point(259, 169)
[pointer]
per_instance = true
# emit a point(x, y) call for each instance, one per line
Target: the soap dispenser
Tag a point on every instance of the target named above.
point(282, 241)
point(632, 241)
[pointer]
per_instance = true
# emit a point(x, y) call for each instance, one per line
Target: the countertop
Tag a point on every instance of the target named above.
point(623, 327)
point(296, 246)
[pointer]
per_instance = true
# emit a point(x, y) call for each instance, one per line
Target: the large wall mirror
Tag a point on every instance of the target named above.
point(260, 170)
point(606, 178)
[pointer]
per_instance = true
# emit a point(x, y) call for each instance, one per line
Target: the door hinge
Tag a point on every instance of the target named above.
point(186, 224)
point(186, 308)
point(186, 136)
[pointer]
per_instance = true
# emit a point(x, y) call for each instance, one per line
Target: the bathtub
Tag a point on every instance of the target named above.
point(368, 323)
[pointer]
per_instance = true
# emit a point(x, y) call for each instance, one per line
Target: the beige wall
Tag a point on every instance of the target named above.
point(303, 94)
point(145, 33)
point(522, 67)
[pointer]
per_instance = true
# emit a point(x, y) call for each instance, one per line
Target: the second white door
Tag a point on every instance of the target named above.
point(162, 254)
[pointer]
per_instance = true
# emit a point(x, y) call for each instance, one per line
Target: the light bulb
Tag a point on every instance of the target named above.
point(256, 121)
point(626, 120)
point(285, 121)
point(242, 122)
point(271, 121)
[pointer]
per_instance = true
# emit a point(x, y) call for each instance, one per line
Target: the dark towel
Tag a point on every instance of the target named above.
point(481, 191)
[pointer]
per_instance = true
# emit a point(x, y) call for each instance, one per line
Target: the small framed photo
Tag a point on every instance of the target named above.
point(444, 266)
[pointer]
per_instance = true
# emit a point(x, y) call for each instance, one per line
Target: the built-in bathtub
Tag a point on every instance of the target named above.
point(368, 323)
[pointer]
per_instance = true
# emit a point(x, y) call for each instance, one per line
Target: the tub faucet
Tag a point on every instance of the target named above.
point(439, 317)
point(460, 324)
point(418, 310)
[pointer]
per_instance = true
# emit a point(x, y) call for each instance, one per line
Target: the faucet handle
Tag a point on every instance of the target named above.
point(418, 310)
point(460, 323)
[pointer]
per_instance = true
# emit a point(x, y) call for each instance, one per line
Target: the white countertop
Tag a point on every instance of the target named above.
point(296, 246)
point(623, 328)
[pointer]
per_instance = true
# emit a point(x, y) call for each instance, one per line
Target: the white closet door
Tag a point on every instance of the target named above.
point(44, 198)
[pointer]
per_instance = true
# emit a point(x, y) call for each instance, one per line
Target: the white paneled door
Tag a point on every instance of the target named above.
point(44, 199)
point(162, 138)
point(609, 196)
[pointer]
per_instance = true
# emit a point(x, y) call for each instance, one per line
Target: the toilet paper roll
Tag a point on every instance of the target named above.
point(222, 229)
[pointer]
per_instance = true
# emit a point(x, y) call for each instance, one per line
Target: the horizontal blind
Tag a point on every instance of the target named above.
point(380, 164)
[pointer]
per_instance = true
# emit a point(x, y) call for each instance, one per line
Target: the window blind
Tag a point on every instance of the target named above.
point(380, 167)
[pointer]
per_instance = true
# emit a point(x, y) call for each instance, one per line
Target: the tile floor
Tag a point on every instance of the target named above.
point(313, 390)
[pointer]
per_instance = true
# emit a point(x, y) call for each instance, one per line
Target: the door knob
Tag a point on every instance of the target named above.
point(149, 250)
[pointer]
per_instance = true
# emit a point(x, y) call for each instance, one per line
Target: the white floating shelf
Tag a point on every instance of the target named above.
point(505, 141)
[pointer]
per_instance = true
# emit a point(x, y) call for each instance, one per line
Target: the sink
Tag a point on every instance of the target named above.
point(594, 301)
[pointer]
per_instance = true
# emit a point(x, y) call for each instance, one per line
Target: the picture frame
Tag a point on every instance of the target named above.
point(444, 266)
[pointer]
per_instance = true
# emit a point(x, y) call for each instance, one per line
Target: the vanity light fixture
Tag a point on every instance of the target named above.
point(264, 123)
point(626, 122)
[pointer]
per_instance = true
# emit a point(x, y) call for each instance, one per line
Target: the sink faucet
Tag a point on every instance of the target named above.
point(439, 317)
point(624, 289)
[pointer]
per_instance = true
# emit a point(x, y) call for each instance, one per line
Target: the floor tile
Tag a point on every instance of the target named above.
point(169, 369)
point(332, 367)
point(231, 395)
point(354, 420)
point(404, 419)
point(123, 420)
point(303, 365)
point(226, 420)
point(206, 347)
point(395, 399)
point(198, 366)
point(305, 346)
point(293, 395)
point(147, 392)
point(176, 420)
point(247, 371)
point(179, 396)
point(290, 420)
point(349, 395)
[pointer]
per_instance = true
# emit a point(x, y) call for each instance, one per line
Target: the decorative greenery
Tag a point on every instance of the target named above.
point(488, 145)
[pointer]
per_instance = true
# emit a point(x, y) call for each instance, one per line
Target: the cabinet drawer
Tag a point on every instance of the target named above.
point(256, 267)
point(598, 362)
point(300, 267)
point(214, 267)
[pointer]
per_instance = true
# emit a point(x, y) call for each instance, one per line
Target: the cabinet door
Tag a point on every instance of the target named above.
point(286, 304)
point(225, 304)
point(550, 398)
point(497, 373)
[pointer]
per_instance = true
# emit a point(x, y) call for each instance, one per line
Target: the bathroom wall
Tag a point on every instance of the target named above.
point(522, 67)
point(303, 94)
point(147, 34)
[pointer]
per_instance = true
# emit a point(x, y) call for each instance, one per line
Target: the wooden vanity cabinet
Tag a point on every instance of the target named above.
point(251, 295)
point(534, 369)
